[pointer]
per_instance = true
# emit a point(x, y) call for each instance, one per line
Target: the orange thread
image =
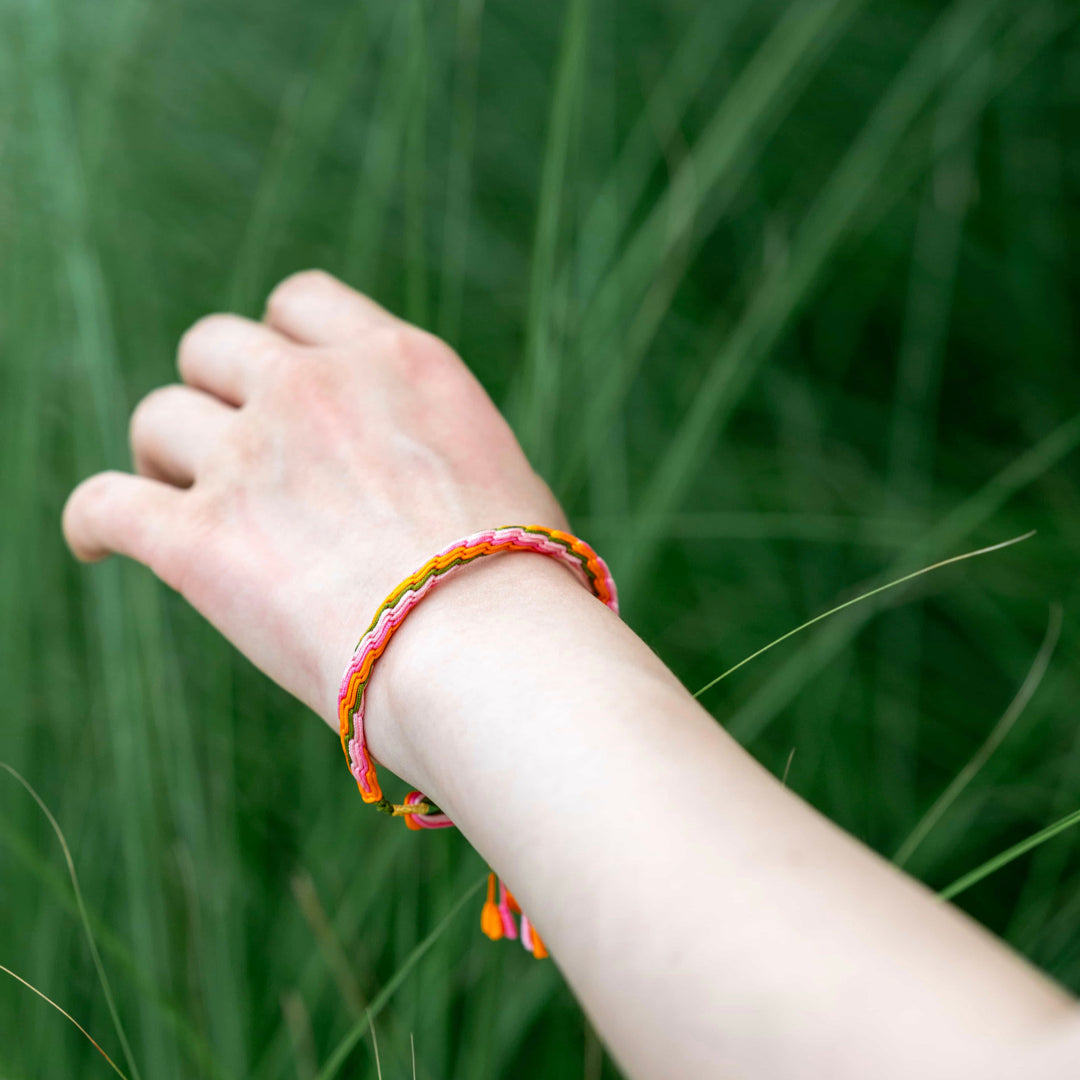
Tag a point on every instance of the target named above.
point(490, 920)
point(539, 948)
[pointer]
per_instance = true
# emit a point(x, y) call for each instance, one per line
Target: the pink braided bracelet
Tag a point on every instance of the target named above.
point(418, 811)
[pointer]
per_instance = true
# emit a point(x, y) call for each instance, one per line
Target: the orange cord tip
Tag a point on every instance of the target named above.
point(490, 919)
point(539, 948)
point(490, 922)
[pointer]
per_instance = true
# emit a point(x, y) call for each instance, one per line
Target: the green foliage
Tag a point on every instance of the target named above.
point(779, 296)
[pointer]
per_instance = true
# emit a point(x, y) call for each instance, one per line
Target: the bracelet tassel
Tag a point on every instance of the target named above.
point(497, 920)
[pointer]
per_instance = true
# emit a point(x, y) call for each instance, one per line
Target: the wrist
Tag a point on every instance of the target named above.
point(444, 650)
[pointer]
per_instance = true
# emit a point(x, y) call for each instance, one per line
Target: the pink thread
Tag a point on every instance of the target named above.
point(425, 821)
point(509, 926)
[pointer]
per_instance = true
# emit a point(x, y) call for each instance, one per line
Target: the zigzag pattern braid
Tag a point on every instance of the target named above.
point(417, 810)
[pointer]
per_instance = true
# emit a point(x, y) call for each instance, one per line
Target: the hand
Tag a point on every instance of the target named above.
point(308, 464)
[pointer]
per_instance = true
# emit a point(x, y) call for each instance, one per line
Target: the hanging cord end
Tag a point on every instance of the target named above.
point(526, 933)
point(497, 920)
point(539, 948)
point(490, 921)
point(505, 912)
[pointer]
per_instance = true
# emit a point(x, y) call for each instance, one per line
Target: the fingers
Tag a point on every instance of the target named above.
point(174, 430)
point(225, 355)
point(129, 515)
point(314, 308)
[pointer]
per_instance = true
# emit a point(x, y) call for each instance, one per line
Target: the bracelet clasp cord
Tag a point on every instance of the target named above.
point(385, 806)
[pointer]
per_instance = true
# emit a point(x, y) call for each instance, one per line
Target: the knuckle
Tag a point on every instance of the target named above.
point(274, 359)
point(144, 414)
point(418, 355)
point(197, 337)
point(295, 288)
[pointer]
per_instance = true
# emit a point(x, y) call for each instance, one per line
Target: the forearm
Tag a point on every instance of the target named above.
point(710, 921)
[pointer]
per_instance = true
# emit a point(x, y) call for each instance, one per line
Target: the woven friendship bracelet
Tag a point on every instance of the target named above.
point(417, 810)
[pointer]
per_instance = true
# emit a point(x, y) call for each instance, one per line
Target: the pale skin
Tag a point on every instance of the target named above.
point(710, 921)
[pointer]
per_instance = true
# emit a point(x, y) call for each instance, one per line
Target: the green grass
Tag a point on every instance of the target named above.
point(779, 297)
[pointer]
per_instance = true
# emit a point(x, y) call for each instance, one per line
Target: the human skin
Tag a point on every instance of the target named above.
point(710, 921)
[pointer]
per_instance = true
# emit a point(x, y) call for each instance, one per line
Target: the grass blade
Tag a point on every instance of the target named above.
point(859, 599)
point(541, 373)
point(680, 83)
point(67, 1015)
point(399, 89)
point(763, 525)
point(459, 178)
point(723, 154)
point(756, 714)
point(310, 108)
point(85, 920)
point(973, 877)
point(946, 46)
point(993, 741)
point(677, 88)
point(344, 1048)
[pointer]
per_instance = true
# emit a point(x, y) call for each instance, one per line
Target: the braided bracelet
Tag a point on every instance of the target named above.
point(418, 811)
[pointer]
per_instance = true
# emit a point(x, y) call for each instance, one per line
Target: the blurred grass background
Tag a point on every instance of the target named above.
point(780, 297)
